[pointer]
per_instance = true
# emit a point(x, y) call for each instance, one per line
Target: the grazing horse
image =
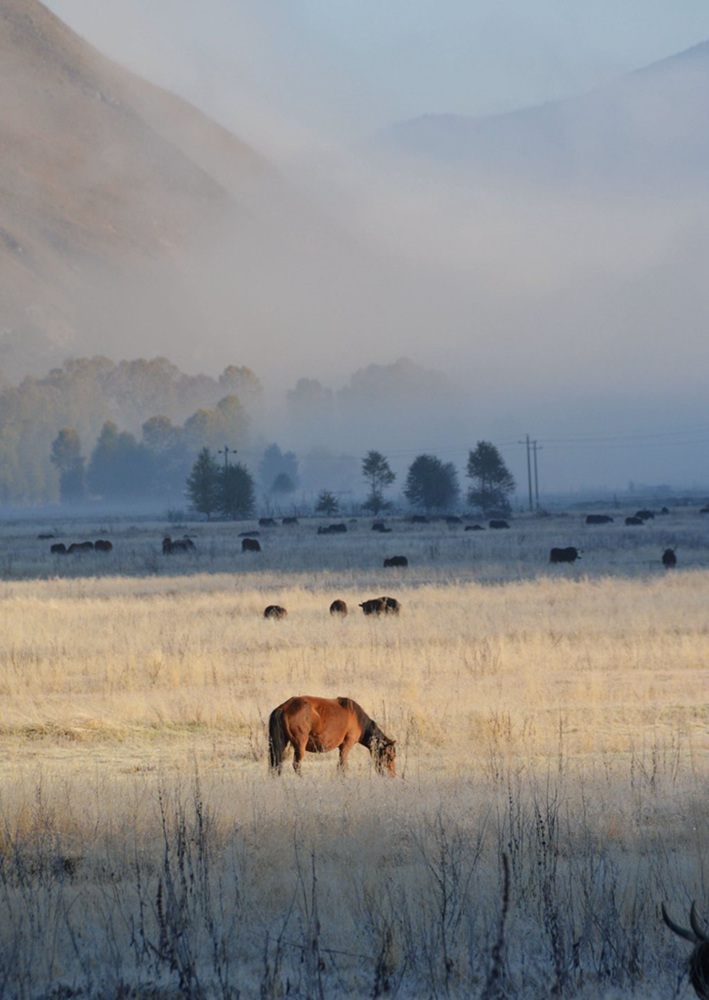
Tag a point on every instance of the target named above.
point(699, 959)
point(321, 724)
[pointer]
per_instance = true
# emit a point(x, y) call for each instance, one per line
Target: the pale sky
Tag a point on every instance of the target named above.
point(343, 69)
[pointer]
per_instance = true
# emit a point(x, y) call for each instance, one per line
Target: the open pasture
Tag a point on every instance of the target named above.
point(552, 727)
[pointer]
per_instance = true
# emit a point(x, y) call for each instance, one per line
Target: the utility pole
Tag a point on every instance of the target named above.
point(225, 452)
point(529, 469)
point(536, 474)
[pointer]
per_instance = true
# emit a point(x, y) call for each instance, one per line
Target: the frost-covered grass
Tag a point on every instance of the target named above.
point(552, 725)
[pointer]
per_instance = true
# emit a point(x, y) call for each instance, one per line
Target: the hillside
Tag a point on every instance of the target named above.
point(645, 129)
point(104, 179)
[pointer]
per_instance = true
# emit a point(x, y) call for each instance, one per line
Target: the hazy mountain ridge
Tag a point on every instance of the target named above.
point(647, 127)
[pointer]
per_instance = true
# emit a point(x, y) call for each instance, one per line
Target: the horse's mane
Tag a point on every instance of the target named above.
point(369, 727)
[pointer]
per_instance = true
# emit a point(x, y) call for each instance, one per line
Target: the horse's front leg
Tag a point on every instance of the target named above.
point(344, 754)
point(298, 754)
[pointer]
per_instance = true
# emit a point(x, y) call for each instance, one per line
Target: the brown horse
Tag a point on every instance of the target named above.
point(321, 724)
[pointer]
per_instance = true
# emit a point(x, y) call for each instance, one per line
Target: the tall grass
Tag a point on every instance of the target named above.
point(551, 727)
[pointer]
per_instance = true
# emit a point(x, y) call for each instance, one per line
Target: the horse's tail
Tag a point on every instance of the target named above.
point(277, 741)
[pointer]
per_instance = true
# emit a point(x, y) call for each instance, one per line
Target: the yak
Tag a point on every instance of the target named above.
point(567, 555)
point(275, 612)
point(381, 606)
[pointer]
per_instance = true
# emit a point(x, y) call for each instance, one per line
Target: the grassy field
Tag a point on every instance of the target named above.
point(552, 727)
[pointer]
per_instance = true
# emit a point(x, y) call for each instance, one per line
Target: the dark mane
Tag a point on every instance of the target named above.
point(369, 727)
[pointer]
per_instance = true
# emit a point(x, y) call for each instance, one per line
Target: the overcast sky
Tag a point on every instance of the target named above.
point(345, 68)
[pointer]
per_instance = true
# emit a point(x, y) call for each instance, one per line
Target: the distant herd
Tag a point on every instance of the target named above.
point(250, 543)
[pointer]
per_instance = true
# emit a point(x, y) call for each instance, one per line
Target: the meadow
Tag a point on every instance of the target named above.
point(552, 727)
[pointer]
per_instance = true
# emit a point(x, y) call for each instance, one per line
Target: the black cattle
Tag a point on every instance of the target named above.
point(396, 561)
point(44, 536)
point(381, 606)
point(669, 559)
point(644, 515)
point(598, 519)
point(249, 534)
point(275, 612)
point(381, 528)
point(338, 607)
point(699, 959)
point(170, 546)
point(81, 547)
point(250, 545)
point(498, 523)
point(103, 545)
point(567, 555)
point(59, 549)
point(474, 527)
point(630, 521)
point(332, 529)
point(290, 520)
point(267, 522)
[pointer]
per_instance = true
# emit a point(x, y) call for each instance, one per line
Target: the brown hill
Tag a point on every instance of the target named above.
point(105, 181)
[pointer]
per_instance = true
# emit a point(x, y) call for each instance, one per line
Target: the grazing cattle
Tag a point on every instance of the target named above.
point(249, 534)
point(644, 515)
point(474, 527)
point(267, 522)
point(338, 607)
point(568, 555)
point(380, 527)
point(630, 521)
point(275, 612)
point(598, 519)
point(317, 725)
point(498, 523)
point(699, 959)
point(396, 561)
point(381, 606)
point(332, 529)
point(170, 545)
point(250, 545)
point(59, 549)
point(81, 547)
point(289, 520)
point(44, 536)
point(669, 559)
point(103, 545)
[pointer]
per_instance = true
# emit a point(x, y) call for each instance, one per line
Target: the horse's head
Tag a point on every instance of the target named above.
point(384, 752)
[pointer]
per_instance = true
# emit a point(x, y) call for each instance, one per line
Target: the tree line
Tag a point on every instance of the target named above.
point(228, 490)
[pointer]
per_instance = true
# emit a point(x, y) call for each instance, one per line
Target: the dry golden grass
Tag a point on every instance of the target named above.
point(556, 718)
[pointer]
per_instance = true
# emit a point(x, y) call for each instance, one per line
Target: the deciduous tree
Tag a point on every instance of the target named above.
point(431, 484)
point(377, 472)
point(493, 483)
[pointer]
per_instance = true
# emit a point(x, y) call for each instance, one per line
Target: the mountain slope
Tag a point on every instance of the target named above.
point(101, 174)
